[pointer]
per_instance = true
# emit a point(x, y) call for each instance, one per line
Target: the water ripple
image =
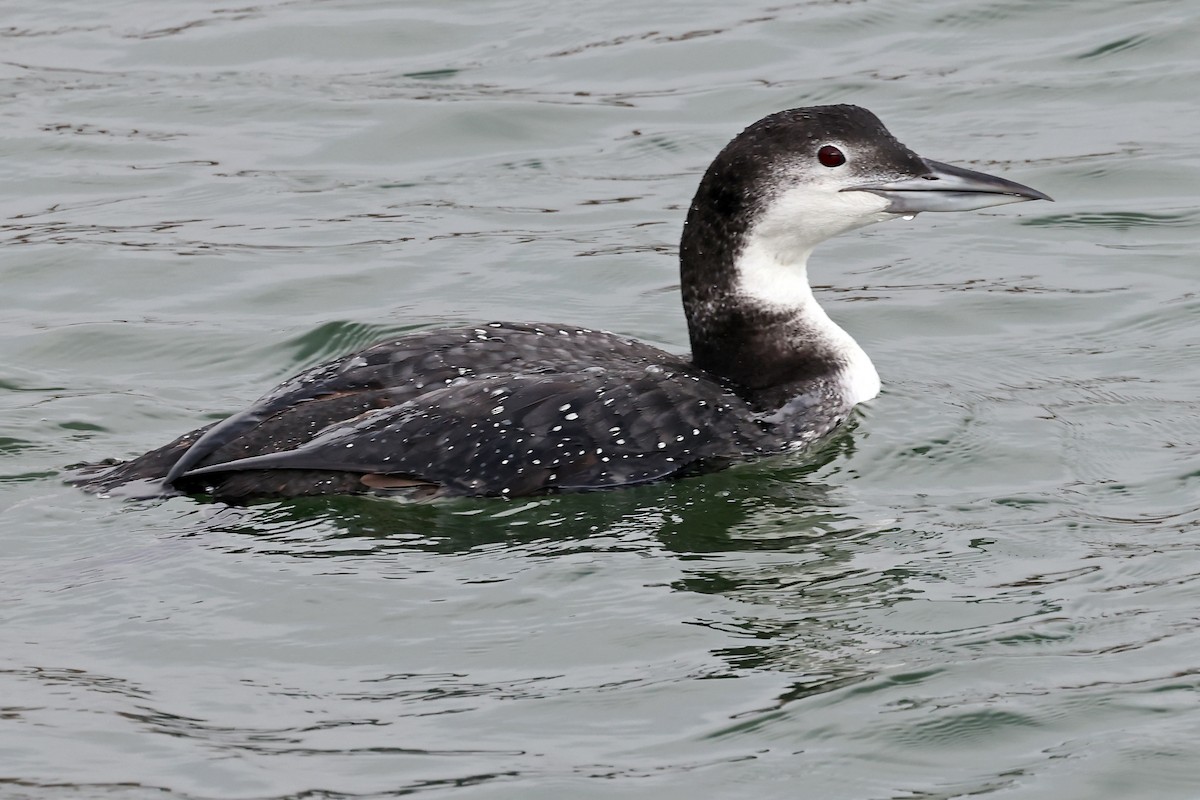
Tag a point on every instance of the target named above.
point(1117, 220)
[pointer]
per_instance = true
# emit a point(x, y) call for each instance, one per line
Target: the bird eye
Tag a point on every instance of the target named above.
point(830, 156)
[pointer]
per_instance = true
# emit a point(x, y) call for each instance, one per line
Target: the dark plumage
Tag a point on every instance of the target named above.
point(509, 409)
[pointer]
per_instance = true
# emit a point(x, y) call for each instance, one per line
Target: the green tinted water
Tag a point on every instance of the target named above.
point(986, 586)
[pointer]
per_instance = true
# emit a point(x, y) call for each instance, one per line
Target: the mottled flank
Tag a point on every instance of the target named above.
point(498, 409)
point(518, 409)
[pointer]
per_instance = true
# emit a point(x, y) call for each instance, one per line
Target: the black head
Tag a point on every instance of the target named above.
point(781, 187)
point(812, 153)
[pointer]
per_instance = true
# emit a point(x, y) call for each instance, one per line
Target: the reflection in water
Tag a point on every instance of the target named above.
point(746, 540)
point(765, 538)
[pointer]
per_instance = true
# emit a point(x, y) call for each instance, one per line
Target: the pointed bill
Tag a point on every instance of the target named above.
point(945, 187)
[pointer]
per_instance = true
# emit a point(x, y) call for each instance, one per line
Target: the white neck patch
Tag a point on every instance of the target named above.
point(772, 270)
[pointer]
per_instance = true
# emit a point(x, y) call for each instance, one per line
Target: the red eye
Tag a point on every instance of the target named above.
point(830, 156)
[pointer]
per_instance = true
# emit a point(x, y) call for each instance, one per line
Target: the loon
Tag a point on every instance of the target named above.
point(515, 409)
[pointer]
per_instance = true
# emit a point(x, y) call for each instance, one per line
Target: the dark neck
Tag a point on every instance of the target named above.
point(763, 349)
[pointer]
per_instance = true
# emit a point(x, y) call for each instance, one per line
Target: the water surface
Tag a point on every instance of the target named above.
point(987, 586)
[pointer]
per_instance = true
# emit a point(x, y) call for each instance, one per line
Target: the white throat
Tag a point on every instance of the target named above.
point(777, 278)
